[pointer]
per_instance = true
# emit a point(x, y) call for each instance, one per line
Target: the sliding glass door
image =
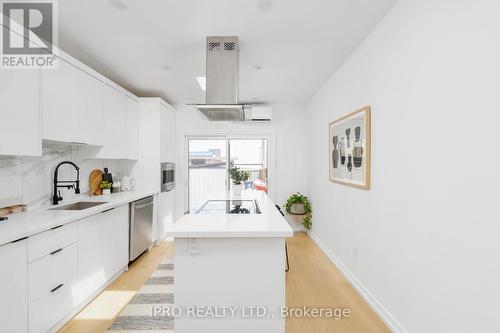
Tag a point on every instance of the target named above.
point(207, 169)
point(251, 155)
point(209, 158)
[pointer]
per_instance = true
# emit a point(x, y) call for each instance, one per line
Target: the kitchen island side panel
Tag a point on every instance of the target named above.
point(243, 273)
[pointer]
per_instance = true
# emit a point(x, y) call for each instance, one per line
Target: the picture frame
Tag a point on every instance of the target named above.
point(349, 145)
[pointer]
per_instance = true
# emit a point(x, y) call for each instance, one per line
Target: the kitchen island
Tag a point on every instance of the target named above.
point(230, 265)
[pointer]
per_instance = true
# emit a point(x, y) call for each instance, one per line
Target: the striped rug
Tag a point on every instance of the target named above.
point(137, 317)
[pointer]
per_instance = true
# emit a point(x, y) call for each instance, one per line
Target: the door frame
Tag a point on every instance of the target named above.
point(271, 155)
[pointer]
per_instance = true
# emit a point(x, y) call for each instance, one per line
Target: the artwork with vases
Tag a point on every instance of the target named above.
point(350, 147)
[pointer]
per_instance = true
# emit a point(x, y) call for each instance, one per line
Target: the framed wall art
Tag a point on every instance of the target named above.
point(350, 149)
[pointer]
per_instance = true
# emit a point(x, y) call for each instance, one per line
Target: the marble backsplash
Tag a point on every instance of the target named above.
point(29, 180)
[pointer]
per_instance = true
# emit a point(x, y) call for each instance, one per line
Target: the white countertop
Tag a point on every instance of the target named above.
point(41, 219)
point(269, 223)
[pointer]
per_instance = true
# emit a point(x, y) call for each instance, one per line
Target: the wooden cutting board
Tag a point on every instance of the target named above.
point(95, 182)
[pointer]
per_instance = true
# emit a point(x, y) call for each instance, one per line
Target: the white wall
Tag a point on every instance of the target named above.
point(290, 145)
point(428, 229)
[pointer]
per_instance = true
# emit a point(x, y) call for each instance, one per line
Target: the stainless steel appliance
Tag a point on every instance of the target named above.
point(230, 207)
point(167, 176)
point(222, 76)
point(141, 227)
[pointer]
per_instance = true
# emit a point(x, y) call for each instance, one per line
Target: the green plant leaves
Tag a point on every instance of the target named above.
point(238, 176)
point(298, 198)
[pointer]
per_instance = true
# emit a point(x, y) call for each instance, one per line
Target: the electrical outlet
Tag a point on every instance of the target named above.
point(355, 251)
point(194, 246)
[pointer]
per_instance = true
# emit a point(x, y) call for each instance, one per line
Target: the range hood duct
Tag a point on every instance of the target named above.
point(222, 70)
point(222, 81)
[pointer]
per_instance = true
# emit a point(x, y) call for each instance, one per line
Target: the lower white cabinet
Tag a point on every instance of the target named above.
point(52, 288)
point(48, 276)
point(14, 287)
point(102, 249)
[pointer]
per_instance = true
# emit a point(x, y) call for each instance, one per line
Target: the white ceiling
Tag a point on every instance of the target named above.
point(298, 43)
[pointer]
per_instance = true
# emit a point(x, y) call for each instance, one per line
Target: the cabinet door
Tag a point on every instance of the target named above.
point(14, 287)
point(102, 249)
point(167, 131)
point(114, 124)
point(132, 128)
point(20, 112)
point(61, 102)
point(90, 124)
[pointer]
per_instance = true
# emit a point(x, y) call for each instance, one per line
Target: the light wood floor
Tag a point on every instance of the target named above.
point(313, 281)
point(101, 312)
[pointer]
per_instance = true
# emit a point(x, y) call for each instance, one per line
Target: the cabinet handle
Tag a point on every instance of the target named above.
point(56, 251)
point(56, 227)
point(20, 239)
point(107, 210)
point(143, 205)
point(59, 286)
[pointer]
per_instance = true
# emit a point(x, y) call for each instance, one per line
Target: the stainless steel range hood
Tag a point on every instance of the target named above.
point(222, 81)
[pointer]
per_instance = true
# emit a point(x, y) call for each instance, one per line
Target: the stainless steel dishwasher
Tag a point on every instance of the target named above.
point(141, 226)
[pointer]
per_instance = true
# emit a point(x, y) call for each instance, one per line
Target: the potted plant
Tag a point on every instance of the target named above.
point(299, 204)
point(238, 176)
point(106, 187)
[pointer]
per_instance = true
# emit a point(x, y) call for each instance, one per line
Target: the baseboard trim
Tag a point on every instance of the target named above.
point(381, 311)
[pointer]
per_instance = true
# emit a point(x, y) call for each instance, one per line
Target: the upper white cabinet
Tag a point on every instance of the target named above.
point(62, 102)
point(91, 126)
point(167, 130)
point(69, 104)
point(113, 120)
point(14, 287)
point(20, 112)
point(132, 128)
point(72, 105)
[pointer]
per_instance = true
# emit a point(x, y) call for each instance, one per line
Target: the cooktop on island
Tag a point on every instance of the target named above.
point(230, 207)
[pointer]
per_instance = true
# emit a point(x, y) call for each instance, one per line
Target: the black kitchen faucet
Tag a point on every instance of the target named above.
point(73, 183)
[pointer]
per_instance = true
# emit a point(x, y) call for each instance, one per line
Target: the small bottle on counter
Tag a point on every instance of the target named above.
point(117, 186)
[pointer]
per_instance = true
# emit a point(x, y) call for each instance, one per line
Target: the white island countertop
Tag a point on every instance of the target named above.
point(38, 220)
point(269, 223)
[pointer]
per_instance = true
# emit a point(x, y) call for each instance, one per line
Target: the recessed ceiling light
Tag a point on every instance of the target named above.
point(202, 81)
point(257, 67)
point(118, 4)
point(265, 5)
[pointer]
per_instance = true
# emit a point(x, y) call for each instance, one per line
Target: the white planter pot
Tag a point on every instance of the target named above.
point(106, 191)
point(297, 209)
point(237, 189)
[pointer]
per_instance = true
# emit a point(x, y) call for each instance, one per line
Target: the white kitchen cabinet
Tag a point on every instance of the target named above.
point(20, 112)
point(14, 287)
point(113, 119)
point(102, 249)
point(52, 240)
point(52, 288)
point(132, 128)
point(167, 130)
point(90, 124)
point(73, 105)
point(62, 101)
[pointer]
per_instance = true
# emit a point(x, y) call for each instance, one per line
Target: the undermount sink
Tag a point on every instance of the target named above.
point(79, 205)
